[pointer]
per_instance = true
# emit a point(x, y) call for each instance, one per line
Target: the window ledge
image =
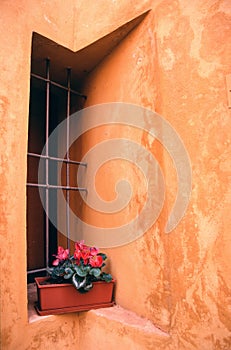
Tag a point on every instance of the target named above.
point(120, 326)
point(32, 298)
point(116, 315)
point(128, 319)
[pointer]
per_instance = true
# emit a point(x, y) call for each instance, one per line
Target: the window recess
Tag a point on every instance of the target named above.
point(51, 102)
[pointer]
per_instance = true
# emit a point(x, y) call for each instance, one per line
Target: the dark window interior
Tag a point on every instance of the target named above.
point(52, 99)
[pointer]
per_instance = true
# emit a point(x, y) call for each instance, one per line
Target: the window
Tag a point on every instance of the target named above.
point(54, 96)
point(55, 93)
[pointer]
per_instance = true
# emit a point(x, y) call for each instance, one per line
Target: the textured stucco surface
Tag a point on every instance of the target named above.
point(174, 62)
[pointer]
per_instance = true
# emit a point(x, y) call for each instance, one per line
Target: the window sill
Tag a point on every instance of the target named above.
point(32, 298)
point(115, 315)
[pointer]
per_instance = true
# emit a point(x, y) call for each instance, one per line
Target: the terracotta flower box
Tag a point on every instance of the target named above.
point(63, 298)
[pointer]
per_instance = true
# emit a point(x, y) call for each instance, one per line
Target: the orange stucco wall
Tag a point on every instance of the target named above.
point(174, 62)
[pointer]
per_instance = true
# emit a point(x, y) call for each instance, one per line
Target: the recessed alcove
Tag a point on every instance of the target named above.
point(60, 60)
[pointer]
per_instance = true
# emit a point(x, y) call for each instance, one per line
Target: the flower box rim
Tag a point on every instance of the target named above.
point(59, 285)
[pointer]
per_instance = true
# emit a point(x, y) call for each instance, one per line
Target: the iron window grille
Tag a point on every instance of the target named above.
point(47, 186)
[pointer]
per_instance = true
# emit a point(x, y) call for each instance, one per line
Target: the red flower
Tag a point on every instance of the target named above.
point(85, 254)
point(77, 261)
point(96, 261)
point(77, 254)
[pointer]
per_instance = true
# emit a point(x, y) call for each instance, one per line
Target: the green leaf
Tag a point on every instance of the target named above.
point(82, 271)
point(58, 271)
point(50, 270)
point(95, 272)
point(77, 282)
point(88, 287)
point(106, 277)
point(104, 256)
point(68, 273)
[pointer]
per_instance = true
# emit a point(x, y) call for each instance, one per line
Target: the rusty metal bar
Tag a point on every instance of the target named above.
point(47, 154)
point(57, 187)
point(56, 159)
point(37, 270)
point(58, 85)
point(68, 156)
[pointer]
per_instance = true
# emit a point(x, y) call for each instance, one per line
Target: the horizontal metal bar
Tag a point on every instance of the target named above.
point(67, 188)
point(56, 158)
point(58, 85)
point(36, 270)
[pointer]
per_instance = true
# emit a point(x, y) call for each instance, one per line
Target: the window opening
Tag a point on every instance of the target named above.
point(50, 103)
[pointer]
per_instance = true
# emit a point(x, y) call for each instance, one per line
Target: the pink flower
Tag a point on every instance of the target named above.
point(80, 245)
point(55, 262)
point(96, 261)
point(94, 251)
point(62, 254)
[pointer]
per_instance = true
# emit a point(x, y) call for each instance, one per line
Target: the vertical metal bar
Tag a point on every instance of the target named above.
point(68, 156)
point(47, 160)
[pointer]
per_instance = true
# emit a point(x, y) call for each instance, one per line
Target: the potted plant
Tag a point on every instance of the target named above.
point(75, 283)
